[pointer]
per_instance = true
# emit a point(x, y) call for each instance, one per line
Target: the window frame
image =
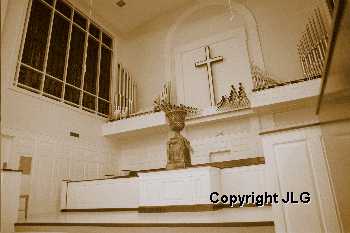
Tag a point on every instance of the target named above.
point(64, 82)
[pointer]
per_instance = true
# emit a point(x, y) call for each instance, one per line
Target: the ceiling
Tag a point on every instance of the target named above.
point(133, 14)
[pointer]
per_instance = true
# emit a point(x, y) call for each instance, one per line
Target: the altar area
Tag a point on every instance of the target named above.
point(167, 116)
point(244, 151)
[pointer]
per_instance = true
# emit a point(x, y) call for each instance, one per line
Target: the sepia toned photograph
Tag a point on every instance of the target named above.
point(175, 116)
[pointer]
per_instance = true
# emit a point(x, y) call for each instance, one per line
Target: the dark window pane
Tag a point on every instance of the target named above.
point(72, 94)
point(37, 33)
point(76, 52)
point(79, 19)
point(105, 73)
point(94, 31)
point(58, 47)
point(91, 66)
point(103, 107)
point(106, 40)
point(89, 101)
point(63, 8)
point(29, 77)
point(53, 87)
point(49, 2)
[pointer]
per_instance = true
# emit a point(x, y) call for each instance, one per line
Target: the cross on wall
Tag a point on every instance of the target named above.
point(208, 63)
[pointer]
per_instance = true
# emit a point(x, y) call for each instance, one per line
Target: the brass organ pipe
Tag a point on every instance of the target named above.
point(135, 94)
point(323, 30)
point(302, 51)
point(317, 48)
point(313, 40)
point(132, 96)
point(322, 24)
point(301, 60)
point(127, 91)
point(307, 59)
point(121, 86)
point(124, 89)
point(310, 54)
point(130, 93)
point(119, 82)
point(128, 96)
point(319, 41)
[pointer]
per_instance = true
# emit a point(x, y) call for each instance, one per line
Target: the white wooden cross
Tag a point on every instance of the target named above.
point(208, 60)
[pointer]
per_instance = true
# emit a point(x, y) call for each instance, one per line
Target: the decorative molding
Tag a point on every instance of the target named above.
point(208, 224)
point(178, 208)
point(109, 178)
point(289, 128)
point(222, 165)
point(189, 208)
point(99, 210)
point(302, 126)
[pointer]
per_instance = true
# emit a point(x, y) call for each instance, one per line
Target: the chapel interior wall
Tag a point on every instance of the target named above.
point(228, 139)
point(278, 35)
point(211, 142)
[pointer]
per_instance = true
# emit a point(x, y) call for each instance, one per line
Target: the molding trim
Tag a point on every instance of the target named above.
point(289, 128)
point(166, 209)
point(209, 224)
point(113, 177)
point(302, 126)
point(222, 165)
point(10, 170)
point(189, 208)
point(178, 208)
point(99, 210)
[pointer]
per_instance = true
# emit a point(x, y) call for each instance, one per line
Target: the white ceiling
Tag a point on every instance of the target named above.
point(133, 14)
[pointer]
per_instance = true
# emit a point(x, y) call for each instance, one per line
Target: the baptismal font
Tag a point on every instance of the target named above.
point(178, 147)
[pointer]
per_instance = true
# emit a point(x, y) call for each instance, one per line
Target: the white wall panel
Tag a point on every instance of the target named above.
point(110, 193)
point(244, 180)
point(295, 163)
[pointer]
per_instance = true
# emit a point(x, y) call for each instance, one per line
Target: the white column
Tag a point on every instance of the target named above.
point(10, 191)
point(295, 162)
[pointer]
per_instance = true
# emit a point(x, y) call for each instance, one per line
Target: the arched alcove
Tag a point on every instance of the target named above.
point(204, 20)
point(181, 32)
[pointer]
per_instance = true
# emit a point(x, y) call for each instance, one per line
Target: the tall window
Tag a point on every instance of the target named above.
point(66, 57)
